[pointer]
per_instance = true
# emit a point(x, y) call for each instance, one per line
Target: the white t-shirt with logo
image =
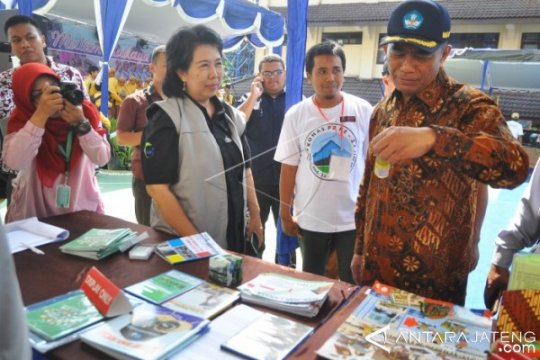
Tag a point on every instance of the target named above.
point(325, 197)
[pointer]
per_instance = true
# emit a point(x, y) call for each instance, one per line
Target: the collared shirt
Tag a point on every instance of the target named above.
point(132, 117)
point(524, 231)
point(414, 227)
point(66, 73)
point(163, 166)
point(263, 129)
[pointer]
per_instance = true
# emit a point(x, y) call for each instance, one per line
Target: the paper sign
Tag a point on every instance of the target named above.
point(104, 294)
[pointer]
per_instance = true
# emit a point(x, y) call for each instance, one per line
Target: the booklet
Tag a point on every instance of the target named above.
point(206, 300)
point(98, 243)
point(28, 233)
point(525, 272)
point(164, 286)
point(188, 248)
point(391, 323)
point(286, 293)
point(220, 330)
point(150, 332)
point(60, 320)
point(268, 337)
point(62, 315)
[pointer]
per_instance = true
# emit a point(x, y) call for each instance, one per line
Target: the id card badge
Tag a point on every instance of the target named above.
point(63, 195)
point(340, 167)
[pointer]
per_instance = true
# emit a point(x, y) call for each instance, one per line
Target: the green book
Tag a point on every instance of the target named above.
point(525, 272)
point(164, 287)
point(98, 243)
point(60, 316)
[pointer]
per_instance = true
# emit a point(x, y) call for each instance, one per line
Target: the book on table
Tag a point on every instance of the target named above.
point(98, 243)
point(31, 232)
point(188, 248)
point(390, 323)
point(60, 320)
point(286, 293)
point(150, 332)
point(62, 315)
point(267, 337)
point(163, 287)
point(525, 272)
point(206, 300)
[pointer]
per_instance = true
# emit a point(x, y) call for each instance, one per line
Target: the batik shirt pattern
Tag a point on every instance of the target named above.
point(414, 227)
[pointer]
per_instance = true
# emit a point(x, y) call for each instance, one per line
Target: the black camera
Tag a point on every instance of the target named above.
point(71, 92)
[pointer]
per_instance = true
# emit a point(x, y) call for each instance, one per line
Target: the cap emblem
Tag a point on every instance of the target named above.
point(412, 20)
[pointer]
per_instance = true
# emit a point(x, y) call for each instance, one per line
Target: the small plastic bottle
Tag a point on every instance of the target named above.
point(382, 168)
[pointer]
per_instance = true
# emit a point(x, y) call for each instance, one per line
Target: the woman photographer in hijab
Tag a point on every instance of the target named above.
point(54, 144)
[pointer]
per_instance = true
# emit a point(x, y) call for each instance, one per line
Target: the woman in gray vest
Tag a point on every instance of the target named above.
point(195, 151)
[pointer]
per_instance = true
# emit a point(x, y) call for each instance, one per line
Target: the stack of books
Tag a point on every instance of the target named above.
point(286, 293)
point(391, 323)
point(99, 243)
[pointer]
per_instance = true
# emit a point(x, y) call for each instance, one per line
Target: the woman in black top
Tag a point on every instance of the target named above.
point(192, 139)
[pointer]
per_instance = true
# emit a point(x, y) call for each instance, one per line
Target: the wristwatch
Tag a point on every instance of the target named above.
point(82, 127)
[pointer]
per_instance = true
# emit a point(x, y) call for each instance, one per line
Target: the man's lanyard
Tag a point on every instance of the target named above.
point(67, 151)
point(341, 128)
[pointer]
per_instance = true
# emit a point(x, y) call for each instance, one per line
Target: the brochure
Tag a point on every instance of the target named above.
point(164, 287)
point(188, 248)
point(268, 337)
point(206, 300)
point(150, 332)
point(62, 315)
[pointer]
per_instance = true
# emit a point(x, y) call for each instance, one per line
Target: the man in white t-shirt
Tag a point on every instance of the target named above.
point(515, 127)
point(322, 148)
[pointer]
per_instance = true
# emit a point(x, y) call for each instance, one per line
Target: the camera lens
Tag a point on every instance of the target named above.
point(75, 97)
point(71, 93)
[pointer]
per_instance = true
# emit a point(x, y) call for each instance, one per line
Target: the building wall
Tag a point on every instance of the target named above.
point(362, 59)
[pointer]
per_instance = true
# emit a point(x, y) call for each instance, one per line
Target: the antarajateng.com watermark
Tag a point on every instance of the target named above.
point(507, 341)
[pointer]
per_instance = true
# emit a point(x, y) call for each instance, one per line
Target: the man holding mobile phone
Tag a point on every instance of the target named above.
point(264, 107)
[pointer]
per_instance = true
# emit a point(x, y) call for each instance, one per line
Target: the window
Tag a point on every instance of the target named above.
point(380, 51)
point(344, 38)
point(475, 40)
point(530, 41)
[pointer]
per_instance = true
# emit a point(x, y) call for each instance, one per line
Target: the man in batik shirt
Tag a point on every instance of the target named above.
point(440, 138)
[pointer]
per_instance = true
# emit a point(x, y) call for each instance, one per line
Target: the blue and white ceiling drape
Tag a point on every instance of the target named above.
point(236, 20)
point(111, 16)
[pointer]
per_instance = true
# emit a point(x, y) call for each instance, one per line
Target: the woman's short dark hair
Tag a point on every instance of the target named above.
point(180, 49)
point(325, 48)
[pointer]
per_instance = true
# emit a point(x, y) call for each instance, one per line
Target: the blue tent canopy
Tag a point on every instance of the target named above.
point(232, 19)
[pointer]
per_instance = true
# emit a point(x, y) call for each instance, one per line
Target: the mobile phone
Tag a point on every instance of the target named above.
point(258, 250)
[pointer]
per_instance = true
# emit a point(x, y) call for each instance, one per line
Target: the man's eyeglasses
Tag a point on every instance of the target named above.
point(268, 74)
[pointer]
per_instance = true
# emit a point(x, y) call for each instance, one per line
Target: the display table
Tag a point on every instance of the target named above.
point(55, 273)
